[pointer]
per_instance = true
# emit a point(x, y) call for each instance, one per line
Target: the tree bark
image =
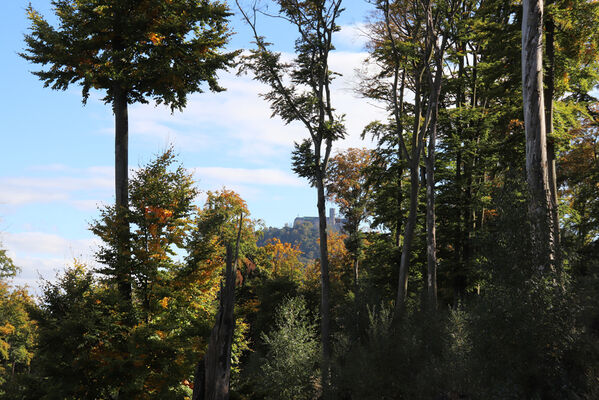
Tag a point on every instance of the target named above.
point(417, 141)
point(121, 181)
point(551, 160)
point(402, 289)
point(325, 306)
point(542, 234)
point(431, 233)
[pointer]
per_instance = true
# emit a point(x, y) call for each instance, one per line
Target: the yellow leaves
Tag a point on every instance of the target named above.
point(7, 329)
point(4, 346)
point(284, 257)
point(34, 15)
point(155, 38)
point(164, 302)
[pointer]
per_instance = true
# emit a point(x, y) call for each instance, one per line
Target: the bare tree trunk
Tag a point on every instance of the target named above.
point(404, 267)
point(551, 160)
point(542, 234)
point(121, 167)
point(356, 272)
point(213, 373)
point(431, 240)
point(431, 234)
point(325, 306)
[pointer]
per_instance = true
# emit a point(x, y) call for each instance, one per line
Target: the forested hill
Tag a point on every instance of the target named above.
point(304, 235)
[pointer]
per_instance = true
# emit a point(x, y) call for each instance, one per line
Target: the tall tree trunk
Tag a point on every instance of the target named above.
point(542, 234)
point(551, 160)
point(325, 306)
point(431, 232)
point(356, 272)
point(121, 181)
point(399, 120)
point(414, 167)
point(213, 373)
point(406, 251)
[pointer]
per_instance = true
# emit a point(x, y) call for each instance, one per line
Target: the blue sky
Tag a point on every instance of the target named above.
point(56, 161)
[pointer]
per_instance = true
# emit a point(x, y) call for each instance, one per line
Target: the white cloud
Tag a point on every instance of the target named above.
point(230, 176)
point(238, 121)
point(18, 196)
point(64, 184)
point(43, 255)
point(352, 36)
point(47, 243)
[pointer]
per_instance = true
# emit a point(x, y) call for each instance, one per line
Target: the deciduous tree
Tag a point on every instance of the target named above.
point(135, 51)
point(301, 92)
point(349, 187)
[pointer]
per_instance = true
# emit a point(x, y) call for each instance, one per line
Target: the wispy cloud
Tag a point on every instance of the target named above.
point(352, 36)
point(239, 121)
point(57, 183)
point(259, 177)
point(41, 254)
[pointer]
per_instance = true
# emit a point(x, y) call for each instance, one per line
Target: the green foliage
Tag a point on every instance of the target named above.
point(289, 369)
point(161, 205)
point(173, 295)
point(531, 331)
point(502, 331)
point(7, 267)
point(82, 351)
point(162, 50)
point(18, 337)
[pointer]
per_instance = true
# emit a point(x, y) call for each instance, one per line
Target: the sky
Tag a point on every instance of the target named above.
point(57, 155)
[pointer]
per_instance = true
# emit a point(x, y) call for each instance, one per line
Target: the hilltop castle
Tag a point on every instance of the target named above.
point(333, 223)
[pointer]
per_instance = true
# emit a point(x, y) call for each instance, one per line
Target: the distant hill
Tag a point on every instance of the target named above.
point(303, 233)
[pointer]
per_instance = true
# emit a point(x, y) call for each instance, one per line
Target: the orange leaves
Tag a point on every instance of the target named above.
point(160, 333)
point(515, 126)
point(155, 38)
point(160, 215)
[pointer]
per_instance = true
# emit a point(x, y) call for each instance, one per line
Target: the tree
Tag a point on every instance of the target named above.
point(157, 348)
point(301, 92)
point(7, 267)
point(18, 334)
point(213, 374)
point(404, 42)
point(288, 370)
point(537, 172)
point(134, 51)
point(349, 187)
point(220, 224)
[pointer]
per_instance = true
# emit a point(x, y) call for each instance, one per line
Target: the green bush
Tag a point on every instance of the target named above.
point(290, 368)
